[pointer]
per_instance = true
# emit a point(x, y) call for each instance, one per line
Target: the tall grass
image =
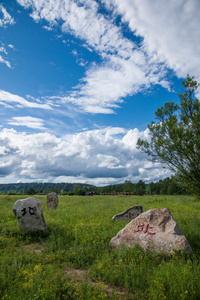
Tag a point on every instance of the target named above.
point(33, 266)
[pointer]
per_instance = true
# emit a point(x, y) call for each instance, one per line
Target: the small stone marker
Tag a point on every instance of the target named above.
point(155, 230)
point(29, 215)
point(52, 201)
point(130, 213)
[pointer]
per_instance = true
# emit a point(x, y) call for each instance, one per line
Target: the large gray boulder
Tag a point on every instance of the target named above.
point(154, 230)
point(29, 215)
point(129, 214)
point(52, 201)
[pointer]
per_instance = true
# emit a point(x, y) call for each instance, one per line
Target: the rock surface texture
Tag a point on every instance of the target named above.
point(52, 201)
point(154, 230)
point(129, 214)
point(29, 215)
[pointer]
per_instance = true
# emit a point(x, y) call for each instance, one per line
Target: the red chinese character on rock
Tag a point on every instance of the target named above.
point(142, 227)
point(146, 231)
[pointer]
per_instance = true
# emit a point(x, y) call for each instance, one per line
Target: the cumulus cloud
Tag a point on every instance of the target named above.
point(8, 99)
point(6, 18)
point(97, 156)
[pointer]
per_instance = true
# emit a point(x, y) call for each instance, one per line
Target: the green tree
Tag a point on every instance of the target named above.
point(175, 139)
point(128, 186)
point(77, 190)
point(172, 189)
point(150, 188)
point(31, 191)
point(140, 188)
point(164, 185)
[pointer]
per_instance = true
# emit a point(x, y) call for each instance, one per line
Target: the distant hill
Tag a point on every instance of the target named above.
point(43, 187)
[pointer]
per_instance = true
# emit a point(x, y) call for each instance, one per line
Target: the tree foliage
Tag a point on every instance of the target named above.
point(175, 138)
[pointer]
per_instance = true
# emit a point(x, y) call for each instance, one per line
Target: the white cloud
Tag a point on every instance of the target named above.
point(130, 139)
point(2, 150)
point(9, 99)
point(104, 87)
point(3, 49)
point(11, 46)
point(7, 19)
point(28, 121)
point(97, 156)
point(4, 61)
point(5, 52)
point(170, 30)
point(48, 28)
point(126, 69)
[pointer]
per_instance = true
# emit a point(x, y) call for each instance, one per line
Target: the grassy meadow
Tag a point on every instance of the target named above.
point(73, 258)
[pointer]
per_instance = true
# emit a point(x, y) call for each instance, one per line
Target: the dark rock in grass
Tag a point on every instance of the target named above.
point(154, 230)
point(129, 214)
point(29, 215)
point(52, 201)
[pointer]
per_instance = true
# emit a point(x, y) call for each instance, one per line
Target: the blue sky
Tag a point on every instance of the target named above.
point(81, 80)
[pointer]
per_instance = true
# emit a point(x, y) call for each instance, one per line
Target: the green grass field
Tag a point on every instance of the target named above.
point(73, 258)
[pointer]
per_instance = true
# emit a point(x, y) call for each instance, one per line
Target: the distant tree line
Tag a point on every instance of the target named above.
point(43, 188)
point(167, 186)
point(135, 188)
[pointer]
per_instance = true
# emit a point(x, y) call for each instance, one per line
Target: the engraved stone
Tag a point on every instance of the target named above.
point(52, 201)
point(154, 230)
point(29, 215)
point(130, 213)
